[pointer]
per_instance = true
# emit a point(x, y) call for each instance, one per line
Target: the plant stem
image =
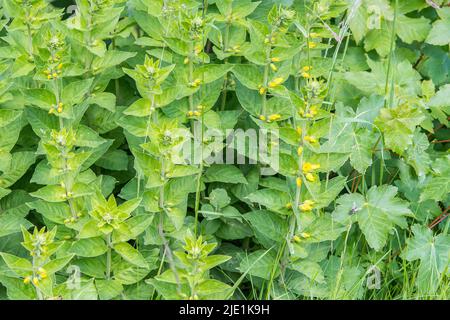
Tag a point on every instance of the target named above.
point(108, 256)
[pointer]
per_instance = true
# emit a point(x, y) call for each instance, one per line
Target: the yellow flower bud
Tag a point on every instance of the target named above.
point(307, 205)
point(27, 280)
point(299, 151)
point(299, 130)
point(59, 109)
point(307, 167)
point(276, 82)
point(296, 238)
point(49, 77)
point(306, 75)
point(312, 45)
point(288, 205)
point(190, 113)
point(311, 139)
point(305, 235)
point(310, 177)
point(273, 67)
point(196, 113)
point(274, 117)
point(60, 66)
point(275, 59)
point(262, 90)
point(298, 181)
point(262, 117)
point(55, 75)
point(306, 68)
point(35, 281)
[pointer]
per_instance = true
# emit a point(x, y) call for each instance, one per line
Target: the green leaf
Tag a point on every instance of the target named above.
point(259, 264)
point(108, 289)
point(398, 126)
point(412, 29)
point(440, 32)
point(57, 264)
point(267, 225)
point(310, 269)
point(130, 254)
point(433, 253)
point(377, 213)
point(91, 247)
point(224, 173)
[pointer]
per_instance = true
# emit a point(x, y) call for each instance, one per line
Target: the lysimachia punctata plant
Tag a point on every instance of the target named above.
point(235, 149)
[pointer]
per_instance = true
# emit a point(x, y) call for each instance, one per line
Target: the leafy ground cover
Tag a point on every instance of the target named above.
point(100, 98)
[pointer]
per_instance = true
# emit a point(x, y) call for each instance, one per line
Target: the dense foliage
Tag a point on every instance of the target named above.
point(98, 99)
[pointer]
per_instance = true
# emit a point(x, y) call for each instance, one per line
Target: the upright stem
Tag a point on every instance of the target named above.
point(38, 291)
point(108, 256)
point(225, 82)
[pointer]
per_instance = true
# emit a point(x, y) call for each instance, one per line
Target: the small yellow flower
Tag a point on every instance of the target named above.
point(305, 235)
point(299, 151)
point(311, 139)
point(276, 82)
point(312, 45)
point(298, 181)
point(313, 110)
point(308, 167)
point(262, 90)
point(35, 281)
point(310, 177)
point(288, 205)
point(296, 238)
point(275, 59)
point(42, 273)
point(299, 130)
point(60, 66)
point(190, 113)
point(307, 205)
point(274, 117)
point(49, 77)
point(27, 280)
point(55, 75)
point(60, 109)
point(307, 68)
point(273, 67)
point(306, 75)
point(262, 117)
